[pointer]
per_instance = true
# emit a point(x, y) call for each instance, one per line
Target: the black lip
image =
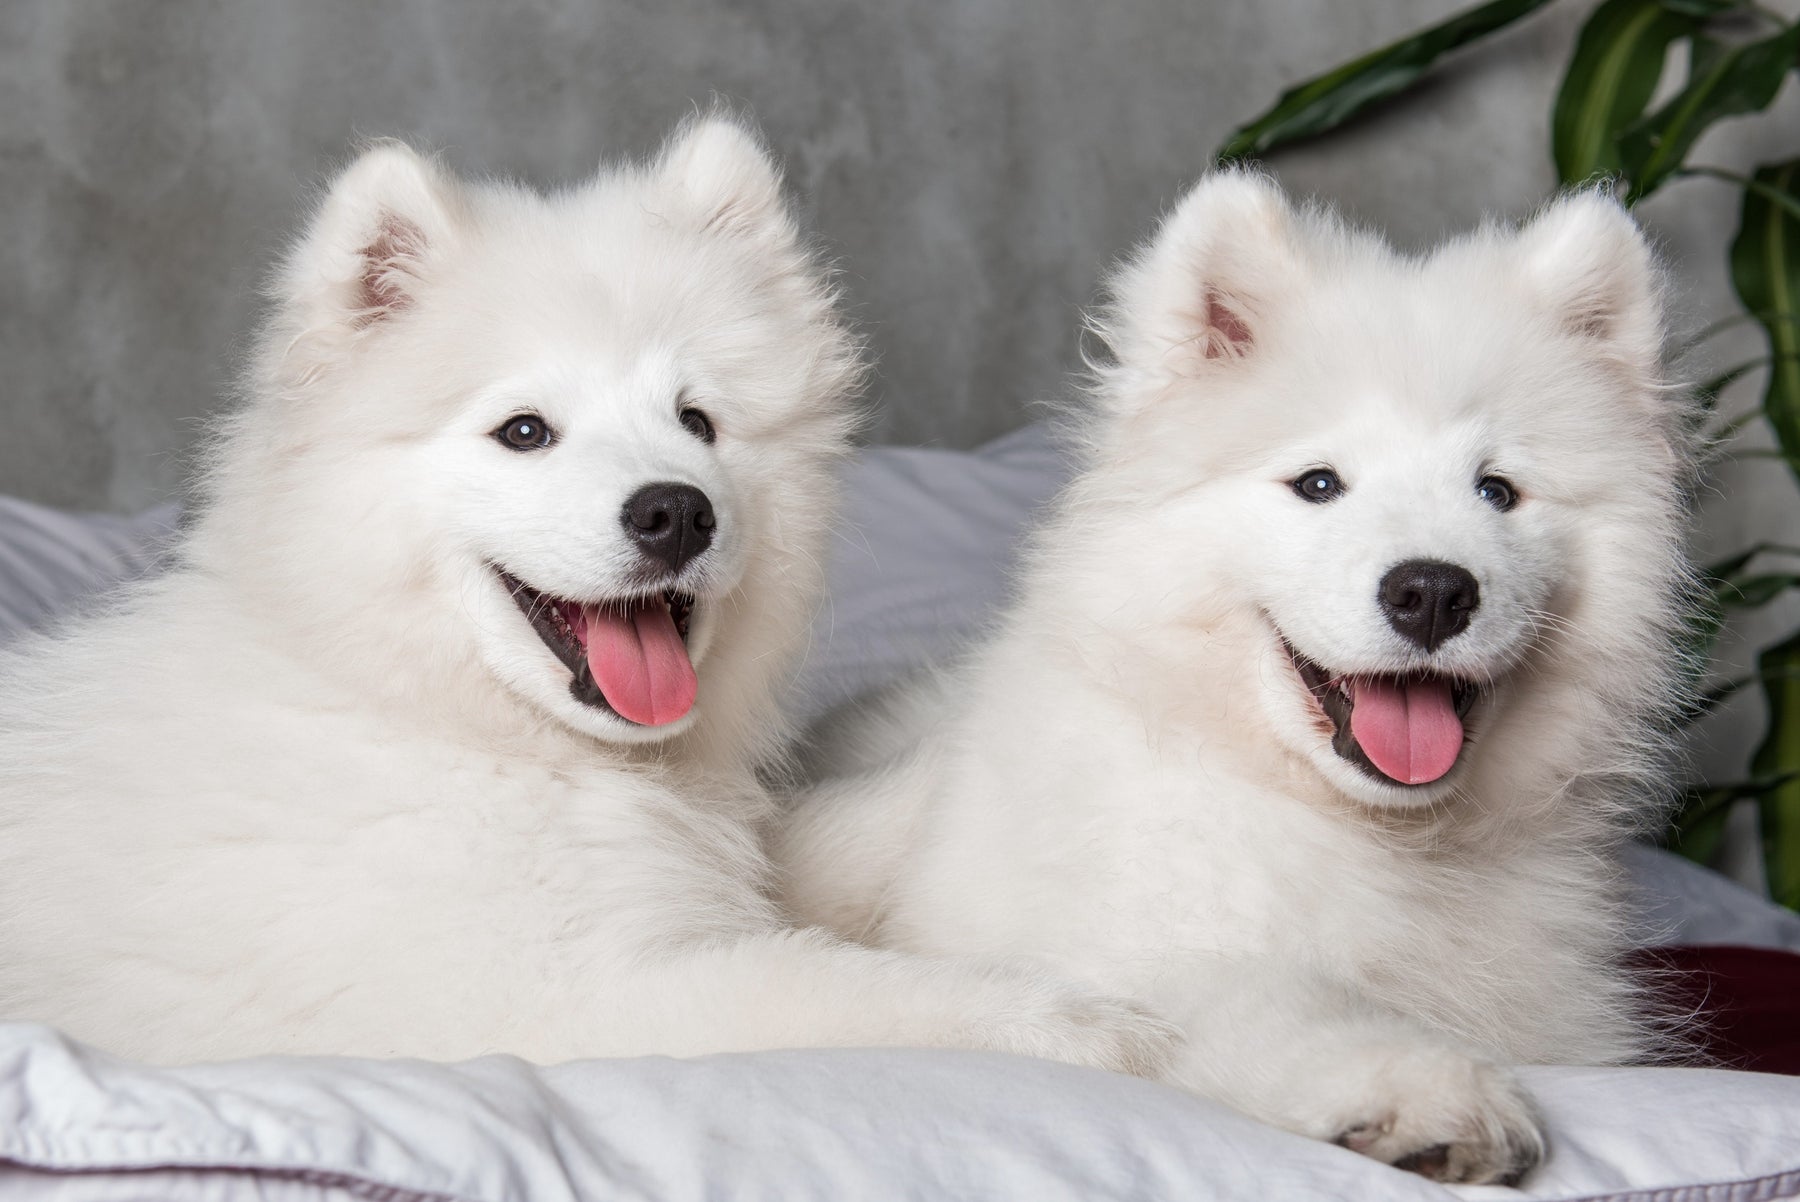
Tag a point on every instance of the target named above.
point(1321, 682)
point(541, 610)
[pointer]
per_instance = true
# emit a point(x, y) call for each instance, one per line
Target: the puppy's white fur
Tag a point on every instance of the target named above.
point(322, 788)
point(1131, 782)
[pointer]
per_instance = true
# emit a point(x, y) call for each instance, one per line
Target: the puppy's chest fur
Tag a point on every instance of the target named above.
point(338, 880)
point(1150, 864)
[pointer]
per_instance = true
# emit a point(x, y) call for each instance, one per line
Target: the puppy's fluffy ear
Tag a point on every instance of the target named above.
point(1192, 299)
point(1590, 264)
point(720, 171)
point(383, 223)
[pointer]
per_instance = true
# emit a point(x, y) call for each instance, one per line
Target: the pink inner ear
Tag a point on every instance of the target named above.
point(1227, 334)
point(390, 260)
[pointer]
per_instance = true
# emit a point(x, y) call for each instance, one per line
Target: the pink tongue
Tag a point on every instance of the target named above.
point(640, 662)
point(1407, 728)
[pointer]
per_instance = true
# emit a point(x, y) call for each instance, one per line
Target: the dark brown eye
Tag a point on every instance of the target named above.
point(697, 424)
point(1497, 492)
point(1319, 486)
point(526, 432)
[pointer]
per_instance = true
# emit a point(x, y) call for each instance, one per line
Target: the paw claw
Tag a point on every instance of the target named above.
point(1432, 1162)
point(1447, 1118)
point(1361, 1137)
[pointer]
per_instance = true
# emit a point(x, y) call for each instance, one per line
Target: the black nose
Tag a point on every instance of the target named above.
point(672, 523)
point(1427, 601)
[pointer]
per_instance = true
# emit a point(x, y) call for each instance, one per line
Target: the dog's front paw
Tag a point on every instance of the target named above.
point(1442, 1115)
point(1054, 1020)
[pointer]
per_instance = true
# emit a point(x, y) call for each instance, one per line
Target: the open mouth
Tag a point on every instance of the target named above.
point(1402, 729)
point(627, 656)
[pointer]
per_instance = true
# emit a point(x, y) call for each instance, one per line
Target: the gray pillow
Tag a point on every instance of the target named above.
point(923, 556)
point(52, 562)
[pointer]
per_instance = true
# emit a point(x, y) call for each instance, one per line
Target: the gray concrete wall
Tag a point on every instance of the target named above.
point(974, 162)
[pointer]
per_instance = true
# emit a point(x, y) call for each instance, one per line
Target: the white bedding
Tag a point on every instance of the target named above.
point(916, 578)
point(837, 1126)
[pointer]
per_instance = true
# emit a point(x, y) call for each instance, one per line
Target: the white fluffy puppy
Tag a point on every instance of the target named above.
point(440, 738)
point(1336, 678)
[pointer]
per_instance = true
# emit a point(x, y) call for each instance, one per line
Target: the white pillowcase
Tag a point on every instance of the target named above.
point(804, 1126)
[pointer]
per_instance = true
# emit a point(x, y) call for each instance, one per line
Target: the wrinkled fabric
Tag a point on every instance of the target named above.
point(792, 1127)
point(51, 561)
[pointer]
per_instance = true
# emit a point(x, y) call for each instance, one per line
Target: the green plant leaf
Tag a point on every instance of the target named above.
point(1728, 587)
point(1707, 394)
point(1327, 101)
point(1785, 200)
point(1731, 565)
point(1705, 8)
point(1779, 755)
point(1765, 271)
point(1724, 83)
point(1711, 699)
point(1699, 827)
point(1694, 341)
point(1618, 58)
point(1699, 838)
point(1753, 591)
point(1724, 585)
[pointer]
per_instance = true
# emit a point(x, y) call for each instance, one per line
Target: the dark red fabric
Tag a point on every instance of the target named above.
point(1746, 1001)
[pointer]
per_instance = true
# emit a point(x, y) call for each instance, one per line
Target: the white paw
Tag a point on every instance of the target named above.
point(1045, 1017)
point(1438, 1113)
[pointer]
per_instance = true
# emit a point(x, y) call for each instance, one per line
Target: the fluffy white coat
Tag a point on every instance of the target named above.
point(1131, 780)
point(321, 787)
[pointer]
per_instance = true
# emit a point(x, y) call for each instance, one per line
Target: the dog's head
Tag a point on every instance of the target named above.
point(1447, 487)
point(583, 442)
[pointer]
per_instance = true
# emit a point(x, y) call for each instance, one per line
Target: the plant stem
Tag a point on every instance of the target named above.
point(1716, 386)
point(1792, 461)
point(1774, 549)
point(1730, 795)
point(1730, 429)
point(1767, 14)
point(1772, 195)
point(1707, 333)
